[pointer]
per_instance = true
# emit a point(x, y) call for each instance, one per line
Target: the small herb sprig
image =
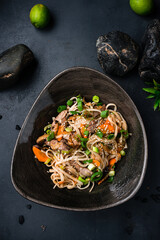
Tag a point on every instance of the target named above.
point(154, 93)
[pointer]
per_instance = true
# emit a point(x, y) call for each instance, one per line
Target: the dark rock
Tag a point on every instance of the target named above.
point(0, 117)
point(12, 63)
point(149, 67)
point(29, 206)
point(18, 127)
point(117, 53)
point(21, 219)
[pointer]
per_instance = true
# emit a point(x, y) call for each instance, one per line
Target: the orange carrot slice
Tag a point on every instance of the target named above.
point(112, 162)
point(96, 162)
point(39, 155)
point(60, 132)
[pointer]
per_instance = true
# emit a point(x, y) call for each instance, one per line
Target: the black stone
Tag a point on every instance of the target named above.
point(12, 63)
point(18, 127)
point(0, 116)
point(149, 67)
point(21, 219)
point(117, 53)
point(29, 206)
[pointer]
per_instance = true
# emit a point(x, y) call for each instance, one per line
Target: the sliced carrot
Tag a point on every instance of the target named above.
point(60, 132)
point(112, 162)
point(39, 155)
point(103, 179)
point(111, 128)
point(83, 129)
point(96, 162)
point(106, 126)
point(61, 182)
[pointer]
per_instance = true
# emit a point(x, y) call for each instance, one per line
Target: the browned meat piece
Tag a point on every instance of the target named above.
point(42, 139)
point(61, 118)
point(102, 108)
point(71, 139)
point(92, 126)
point(55, 128)
point(83, 171)
point(55, 145)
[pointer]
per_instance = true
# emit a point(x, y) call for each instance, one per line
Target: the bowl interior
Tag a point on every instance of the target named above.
point(30, 177)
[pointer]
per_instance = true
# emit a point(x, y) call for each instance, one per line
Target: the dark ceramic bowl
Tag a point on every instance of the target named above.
point(30, 177)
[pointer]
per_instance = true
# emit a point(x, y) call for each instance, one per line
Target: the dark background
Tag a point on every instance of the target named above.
point(70, 41)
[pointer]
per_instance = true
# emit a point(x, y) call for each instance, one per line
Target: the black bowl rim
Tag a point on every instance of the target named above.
point(145, 147)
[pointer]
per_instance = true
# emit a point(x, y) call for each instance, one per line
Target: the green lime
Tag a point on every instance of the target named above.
point(39, 16)
point(142, 7)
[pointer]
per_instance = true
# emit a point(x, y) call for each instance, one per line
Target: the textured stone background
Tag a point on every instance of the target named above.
point(70, 41)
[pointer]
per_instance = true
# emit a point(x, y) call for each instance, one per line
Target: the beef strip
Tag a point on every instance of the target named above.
point(92, 125)
point(55, 145)
point(61, 118)
point(83, 171)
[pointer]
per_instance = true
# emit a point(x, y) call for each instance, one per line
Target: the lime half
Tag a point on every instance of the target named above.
point(39, 16)
point(142, 7)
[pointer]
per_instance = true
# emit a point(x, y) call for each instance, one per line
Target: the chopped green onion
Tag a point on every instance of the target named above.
point(111, 173)
point(95, 99)
point(68, 129)
point(83, 142)
point(84, 139)
point(99, 133)
point(110, 136)
point(69, 103)
point(47, 161)
point(84, 181)
point(95, 149)
point(87, 152)
point(67, 151)
point(74, 112)
point(48, 131)
point(104, 114)
point(48, 126)
point(96, 176)
point(86, 133)
point(61, 108)
point(124, 133)
point(50, 137)
point(91, 166)
point(110, 179)
point(80, 106)
point(122, 152)
point(99, 104)
point(88, 161)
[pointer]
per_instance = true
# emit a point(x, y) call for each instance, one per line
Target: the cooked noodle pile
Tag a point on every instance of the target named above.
point(83, 143)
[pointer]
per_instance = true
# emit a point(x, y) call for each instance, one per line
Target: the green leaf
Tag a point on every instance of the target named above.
point(156, 105)
point(156, 84)
point(150, 90)
point(151, 96)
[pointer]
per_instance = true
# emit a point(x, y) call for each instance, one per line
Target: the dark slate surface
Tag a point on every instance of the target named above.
point(70, 41)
